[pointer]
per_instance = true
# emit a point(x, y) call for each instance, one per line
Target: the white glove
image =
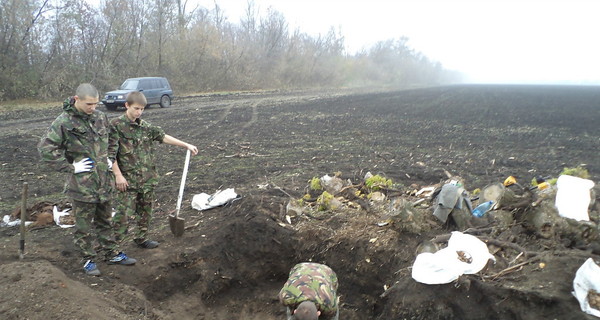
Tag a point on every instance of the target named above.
point(110, 163)
point(84, 165)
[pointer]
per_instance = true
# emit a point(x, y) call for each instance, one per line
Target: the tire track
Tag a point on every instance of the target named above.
point(226, 112)
point(254, 116)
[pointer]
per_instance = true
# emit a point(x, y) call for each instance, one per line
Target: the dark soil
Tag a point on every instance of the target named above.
point(232, 261)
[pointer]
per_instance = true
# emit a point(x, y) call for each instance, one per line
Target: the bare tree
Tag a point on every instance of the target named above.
point(47, 47)
point(20, 21)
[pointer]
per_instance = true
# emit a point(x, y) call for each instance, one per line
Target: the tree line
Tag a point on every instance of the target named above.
point(48, 47)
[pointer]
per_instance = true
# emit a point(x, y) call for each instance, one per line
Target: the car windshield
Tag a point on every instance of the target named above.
point(129, 85)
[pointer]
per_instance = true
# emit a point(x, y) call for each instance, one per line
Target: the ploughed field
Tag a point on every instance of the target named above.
point(232, 261)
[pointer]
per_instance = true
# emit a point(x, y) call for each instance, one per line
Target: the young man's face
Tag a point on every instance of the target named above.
point(134, 111)
point(86, 104)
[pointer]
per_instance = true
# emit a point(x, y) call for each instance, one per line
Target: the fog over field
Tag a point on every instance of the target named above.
point(489, 41)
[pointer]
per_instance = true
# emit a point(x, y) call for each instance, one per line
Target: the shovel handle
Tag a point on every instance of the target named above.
point(182, 185)
point(23, 219)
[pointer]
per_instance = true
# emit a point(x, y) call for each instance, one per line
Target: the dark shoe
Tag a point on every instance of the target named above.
point(148, 244)
point(91, 269)
point(123, 259)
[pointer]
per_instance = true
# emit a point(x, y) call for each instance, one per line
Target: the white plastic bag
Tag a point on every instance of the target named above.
point(475, 248)
point(205, 201)
point(7, 223)
point(446, 265)
point(437, 268)
point(587, 278)
point(573, 197)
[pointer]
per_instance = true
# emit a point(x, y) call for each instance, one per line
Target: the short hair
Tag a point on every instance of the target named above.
point(136, 97)
point(86, 90)
point(307, 310)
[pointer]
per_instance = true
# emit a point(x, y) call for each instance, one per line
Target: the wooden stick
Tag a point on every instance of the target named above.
point(516, 258)
point(475, 231)
point(23, 219)
point(510, 245)
point(192, 226)
point(511, 269)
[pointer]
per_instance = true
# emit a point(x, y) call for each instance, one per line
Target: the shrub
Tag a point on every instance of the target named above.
point(315, 184)
point(576, 172)
point(324, 201)
point(378, 182)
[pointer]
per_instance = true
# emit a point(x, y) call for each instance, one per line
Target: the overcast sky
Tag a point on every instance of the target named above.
point(506, 41)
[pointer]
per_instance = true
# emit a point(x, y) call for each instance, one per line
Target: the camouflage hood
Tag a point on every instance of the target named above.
point(69, 107)
point(69, 104)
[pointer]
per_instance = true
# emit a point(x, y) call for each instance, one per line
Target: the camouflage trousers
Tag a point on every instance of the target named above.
point(92, 222)
point(290, 315)
point(137, 205)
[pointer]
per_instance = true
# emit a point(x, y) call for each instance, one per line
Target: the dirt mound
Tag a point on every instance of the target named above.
point(37, 289)
point(532, 276)
point(531, 294)
point(234, 250)
point(241, 247)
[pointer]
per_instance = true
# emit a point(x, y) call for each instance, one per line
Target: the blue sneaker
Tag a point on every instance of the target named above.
point(123, 259)
point(90, 268)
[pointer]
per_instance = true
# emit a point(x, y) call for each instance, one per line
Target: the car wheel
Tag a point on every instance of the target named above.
point(111, 107)
point(165, 101)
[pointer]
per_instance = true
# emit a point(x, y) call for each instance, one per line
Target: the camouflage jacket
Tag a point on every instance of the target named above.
point(73, 136)
point(314, 282)
point(133, 143)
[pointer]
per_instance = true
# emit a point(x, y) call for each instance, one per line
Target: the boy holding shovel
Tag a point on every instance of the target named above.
point(134, 168)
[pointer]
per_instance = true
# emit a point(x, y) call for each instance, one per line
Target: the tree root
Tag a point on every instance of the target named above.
point(514, 268)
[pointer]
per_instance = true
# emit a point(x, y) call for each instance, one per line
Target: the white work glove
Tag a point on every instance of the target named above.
point(110, 163)
point(83, 165)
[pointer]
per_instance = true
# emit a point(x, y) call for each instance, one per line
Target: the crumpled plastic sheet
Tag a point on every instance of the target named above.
point(573, 197)
point(444, 266)
point(204, 201)
point(587, 278)
point(7, 223)
point(450, 196)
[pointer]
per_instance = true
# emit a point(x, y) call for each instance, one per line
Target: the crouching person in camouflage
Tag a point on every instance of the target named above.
point(310, 293)
point(77, 143)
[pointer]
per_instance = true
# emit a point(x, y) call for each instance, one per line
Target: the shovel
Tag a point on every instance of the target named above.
point(176, 223)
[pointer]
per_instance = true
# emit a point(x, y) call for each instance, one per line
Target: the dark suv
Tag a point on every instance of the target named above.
point(157, 91)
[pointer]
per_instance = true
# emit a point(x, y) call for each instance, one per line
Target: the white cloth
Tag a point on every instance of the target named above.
point(573, 197)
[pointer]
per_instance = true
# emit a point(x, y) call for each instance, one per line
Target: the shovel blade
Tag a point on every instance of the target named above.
point(177, 225)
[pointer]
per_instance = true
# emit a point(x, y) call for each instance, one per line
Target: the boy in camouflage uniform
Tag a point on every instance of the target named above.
point(135, 169)
point(310, 292)
point(77, 143)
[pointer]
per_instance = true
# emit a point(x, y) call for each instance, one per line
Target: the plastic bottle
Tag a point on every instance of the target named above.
point(483, 208)
point(543, 185)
